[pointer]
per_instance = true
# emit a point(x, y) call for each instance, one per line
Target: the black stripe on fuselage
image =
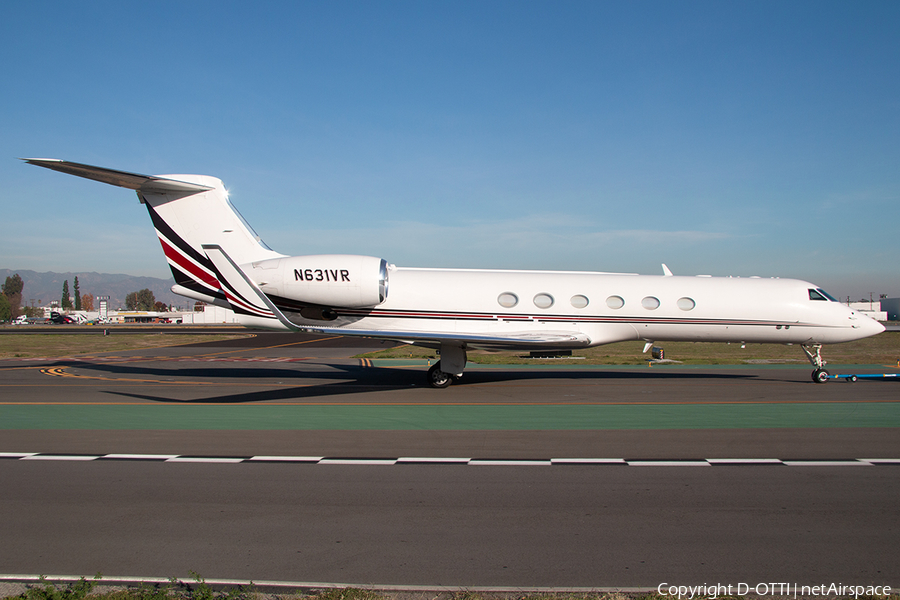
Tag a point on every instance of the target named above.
point(286, 304)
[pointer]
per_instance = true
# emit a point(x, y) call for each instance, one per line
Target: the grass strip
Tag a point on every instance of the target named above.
point(60, 345)
point(199, 589)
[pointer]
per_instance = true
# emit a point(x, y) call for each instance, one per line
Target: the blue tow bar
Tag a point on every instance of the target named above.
point(864, 376)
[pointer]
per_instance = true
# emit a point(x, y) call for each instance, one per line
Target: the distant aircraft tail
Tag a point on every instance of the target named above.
point(187, 211)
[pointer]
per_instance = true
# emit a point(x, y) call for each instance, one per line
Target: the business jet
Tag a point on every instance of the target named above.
point(216, 257)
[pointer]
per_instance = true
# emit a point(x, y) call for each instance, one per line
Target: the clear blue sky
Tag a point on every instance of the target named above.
point(724, 138)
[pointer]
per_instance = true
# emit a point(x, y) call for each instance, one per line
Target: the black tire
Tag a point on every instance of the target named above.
point(852, 379)
point(437, 378)
point(820, 375)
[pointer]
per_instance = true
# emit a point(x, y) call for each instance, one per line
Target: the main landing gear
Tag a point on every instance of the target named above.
point(450, 367)
point(437, 378)
point(814, 354)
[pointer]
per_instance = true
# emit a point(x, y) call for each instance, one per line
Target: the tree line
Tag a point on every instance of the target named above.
point(76, 301)
point(144, 300)
point(11, 300)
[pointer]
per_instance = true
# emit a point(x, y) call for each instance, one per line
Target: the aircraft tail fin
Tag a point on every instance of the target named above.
point(187, 212)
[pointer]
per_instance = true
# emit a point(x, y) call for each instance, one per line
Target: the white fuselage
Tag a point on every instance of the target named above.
point(608, 307)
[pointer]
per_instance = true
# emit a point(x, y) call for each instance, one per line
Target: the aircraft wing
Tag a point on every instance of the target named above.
point(131, 181)
point(547, 339)
point(254, 309)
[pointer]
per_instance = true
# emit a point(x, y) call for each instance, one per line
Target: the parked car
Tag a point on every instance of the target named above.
point(61, 319)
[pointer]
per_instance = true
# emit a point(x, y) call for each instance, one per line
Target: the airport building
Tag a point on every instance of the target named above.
point(891, 308)
point(870, 309)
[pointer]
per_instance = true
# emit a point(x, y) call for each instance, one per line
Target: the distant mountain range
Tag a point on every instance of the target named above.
point(46, 287)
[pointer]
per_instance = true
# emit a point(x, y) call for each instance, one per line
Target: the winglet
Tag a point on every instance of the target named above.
point(666, 270)
point(250, 305)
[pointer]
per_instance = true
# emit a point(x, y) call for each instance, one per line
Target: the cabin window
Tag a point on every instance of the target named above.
point(507, 299)
point(615, 302)
point(650, 303)
point(815, 295)
point(686, 303)
point(579, 301)
point(543, 300)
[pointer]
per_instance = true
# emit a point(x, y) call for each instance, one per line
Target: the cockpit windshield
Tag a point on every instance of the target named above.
point(820, 294)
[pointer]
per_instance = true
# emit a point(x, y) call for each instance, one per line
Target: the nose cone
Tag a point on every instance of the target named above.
point(866, 326)
point(872, 327)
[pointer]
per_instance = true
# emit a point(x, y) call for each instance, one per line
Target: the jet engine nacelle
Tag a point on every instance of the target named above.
point(333, 280)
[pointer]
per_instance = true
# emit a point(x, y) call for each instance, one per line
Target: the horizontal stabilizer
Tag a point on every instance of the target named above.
point(132, 181)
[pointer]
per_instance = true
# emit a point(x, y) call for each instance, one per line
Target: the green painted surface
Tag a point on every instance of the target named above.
point(528, 417)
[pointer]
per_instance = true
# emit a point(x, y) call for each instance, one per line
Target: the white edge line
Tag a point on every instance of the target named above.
point(588, 461)
point(140, 456)
point(358, 461)
point(59, 457)
point(668, 463)
point(303, 459)
point(827, 463)
point(509, 463)
point(454, 460)
point(745, 461)
point(432, 459)
point(200, 459)
point(321, 584)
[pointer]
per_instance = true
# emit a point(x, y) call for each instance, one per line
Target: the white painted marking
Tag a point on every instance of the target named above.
point(510, 463)
point(58, 457)
point(202, 459)
point(358, 461)
point(668, 463)
point(437, 460)
point(140, 456)
point(744, 461)
point(588, 461)
point(302, 459)
point(827, 463)
point(431, 459)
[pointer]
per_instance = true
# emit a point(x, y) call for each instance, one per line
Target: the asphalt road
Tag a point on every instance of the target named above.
point(458, 524)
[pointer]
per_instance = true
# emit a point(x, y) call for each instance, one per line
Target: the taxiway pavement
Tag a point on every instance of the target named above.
point(72, 509)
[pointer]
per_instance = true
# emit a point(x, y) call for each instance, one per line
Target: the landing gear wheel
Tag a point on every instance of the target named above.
point(820, 375)
point(437, 378)
point(852, 379)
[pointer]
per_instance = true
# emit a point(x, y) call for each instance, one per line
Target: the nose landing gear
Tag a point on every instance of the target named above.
point(814, 354)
